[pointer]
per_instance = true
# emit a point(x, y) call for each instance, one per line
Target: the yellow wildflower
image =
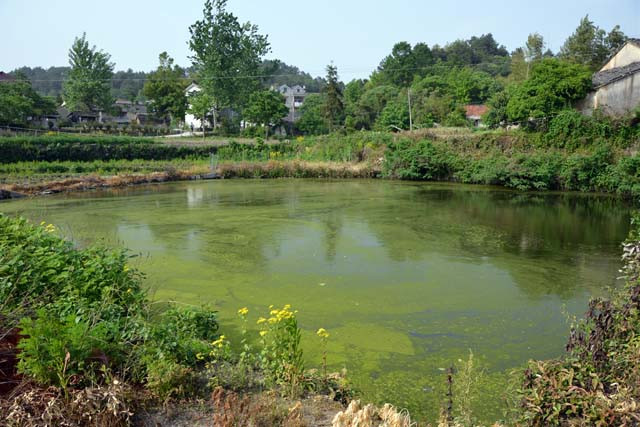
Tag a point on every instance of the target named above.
point(263, 333)
point(243, 311)
point(50, 228)
point(322, 333)
point(199, 356)
point(261, 320)
point(126, 268)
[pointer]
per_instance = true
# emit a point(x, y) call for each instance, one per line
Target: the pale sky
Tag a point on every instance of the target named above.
point(354, 34)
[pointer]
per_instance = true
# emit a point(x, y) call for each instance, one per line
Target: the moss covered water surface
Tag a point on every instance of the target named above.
point(406, 277)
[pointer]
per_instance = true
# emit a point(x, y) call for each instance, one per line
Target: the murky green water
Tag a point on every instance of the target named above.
point(406, 277)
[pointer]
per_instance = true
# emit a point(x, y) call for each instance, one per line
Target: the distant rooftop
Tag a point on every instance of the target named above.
point(6, 77)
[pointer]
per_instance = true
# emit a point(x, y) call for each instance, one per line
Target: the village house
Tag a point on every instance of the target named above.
point(128, 112)
point(294, 98)
point(4, 77)
point(475, 112)
point(616, 86)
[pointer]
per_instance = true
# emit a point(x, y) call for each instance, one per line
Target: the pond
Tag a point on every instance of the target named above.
point(406, 277)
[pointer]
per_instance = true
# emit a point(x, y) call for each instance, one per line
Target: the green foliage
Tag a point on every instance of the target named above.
point(39, 267)
point(90, 310)
point(312, 119)
point(83, 148)
point(404, 62)
point(420, 160)
point(202, 106)
point(394, 116)
point(333, 106)
point(181, 334)
point(88, 85)
point(591, 46)
point(597, 166)
point(571, 129)
point(56, 351)
point(280, 73)
point(165, 88)
point(266, 108)
point(19, 101)
point(226, 53)
point(553, 86)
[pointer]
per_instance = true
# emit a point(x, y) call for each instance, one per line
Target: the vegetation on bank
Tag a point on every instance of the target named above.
point(79, 321)
point(576, 153)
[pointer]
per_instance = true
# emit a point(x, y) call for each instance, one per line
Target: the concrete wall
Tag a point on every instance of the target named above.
point(628, 54)
point(615, 99)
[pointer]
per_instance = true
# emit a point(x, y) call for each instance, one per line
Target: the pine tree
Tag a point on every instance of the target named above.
point(334, 108)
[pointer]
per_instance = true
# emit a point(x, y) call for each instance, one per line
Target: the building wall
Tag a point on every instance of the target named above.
point(614, 99)
point(628, 54)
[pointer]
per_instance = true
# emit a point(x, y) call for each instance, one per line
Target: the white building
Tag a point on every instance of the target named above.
point(189, 119)
point(616, 87)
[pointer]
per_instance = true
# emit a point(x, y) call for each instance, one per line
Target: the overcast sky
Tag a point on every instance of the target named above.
point(354, 34)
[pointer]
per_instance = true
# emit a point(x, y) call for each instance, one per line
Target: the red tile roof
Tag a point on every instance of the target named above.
point(6, 77)
point(475, 110)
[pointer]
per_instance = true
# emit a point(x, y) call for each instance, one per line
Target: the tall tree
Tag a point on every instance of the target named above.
point(165, 88)
point(89, 81)
point(519, 66)
point(615, 39)
point(334, 108)
point(226, 55)
point(534, 47)
point(266, 108)
point(590, 45)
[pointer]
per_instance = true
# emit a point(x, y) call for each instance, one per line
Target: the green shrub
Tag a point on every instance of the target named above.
point(422, 160)
point(87, 302)
point(54, 351)
point(182, 334)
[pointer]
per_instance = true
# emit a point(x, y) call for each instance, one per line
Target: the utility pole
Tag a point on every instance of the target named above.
point(410, 115)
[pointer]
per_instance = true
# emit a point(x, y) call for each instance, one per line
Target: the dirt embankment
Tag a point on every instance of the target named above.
point(271, 169)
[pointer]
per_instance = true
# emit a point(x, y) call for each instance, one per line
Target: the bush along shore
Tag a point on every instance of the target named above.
point(574, 153)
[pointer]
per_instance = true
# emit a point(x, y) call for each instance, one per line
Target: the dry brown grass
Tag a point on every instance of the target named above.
point(298, 169)
point(271, 169)
point(33, 406)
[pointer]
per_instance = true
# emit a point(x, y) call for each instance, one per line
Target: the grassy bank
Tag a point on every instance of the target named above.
point(574, 153)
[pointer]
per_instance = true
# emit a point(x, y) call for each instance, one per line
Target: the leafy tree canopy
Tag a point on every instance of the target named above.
point(89, 80)
point(19, 102)
point(165, 87)
point(553, 86)
point(266, 108)
point(591, 45)
point(312, 115)
point(227, 55)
